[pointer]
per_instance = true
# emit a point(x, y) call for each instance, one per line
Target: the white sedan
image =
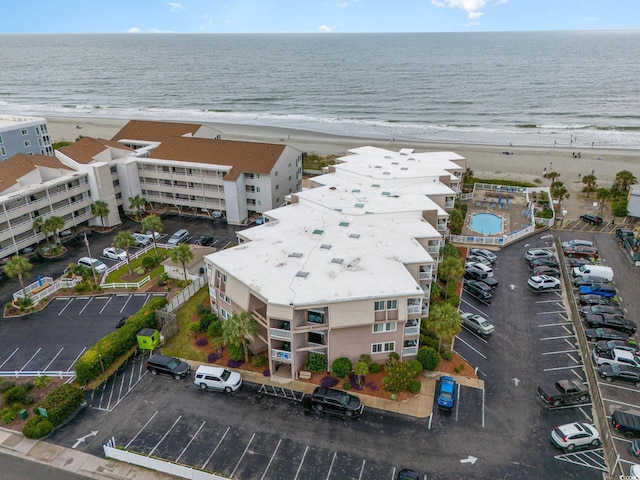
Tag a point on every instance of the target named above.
point(114, 253)
point(476, 323)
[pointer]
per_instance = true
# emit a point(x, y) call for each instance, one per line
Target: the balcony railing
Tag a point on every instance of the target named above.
point(415, 330)
point(414, 309)
point(282, 355)
point(408, 351)
point(442, 227)
point(425, 275)
point(435, 249)
point(450, 204)
point(280, 333)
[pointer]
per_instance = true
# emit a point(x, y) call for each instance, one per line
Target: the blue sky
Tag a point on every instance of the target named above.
point(309, 16)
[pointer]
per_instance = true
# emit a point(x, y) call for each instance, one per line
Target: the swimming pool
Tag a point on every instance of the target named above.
point(486, 223)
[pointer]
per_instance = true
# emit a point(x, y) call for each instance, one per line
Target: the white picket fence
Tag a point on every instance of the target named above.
point(44, 293)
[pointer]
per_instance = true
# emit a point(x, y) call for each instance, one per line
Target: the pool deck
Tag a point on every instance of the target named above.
point(487, 202)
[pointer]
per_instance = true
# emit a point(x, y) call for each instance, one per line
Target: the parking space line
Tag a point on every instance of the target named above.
point(335, 454)
point(574, 344)
point(619, 387)
point(271, 459)
point(558, 368)
point(554, 324)
point(76, 359)
point(192, 439)
point(80, 312)
point(217, 446)
point(558, 338)
point(125, 303)
point(32, 357)
point(165, 436)
point(483, 406)
point(53, 359)
point(546, 301)
point(577, 375)
point(586, 415)
point(622, 439)
point(567, 329)
point(140, 431)
point(570, 407)
point(472, 306)
point(560, 351)
point(65, 307)
point(243, 454)
point(362, 469)
point(575, 360)
point(9, 357)
point(105, 305)
point(620, 403)
point(474, 334)
point(301, 462)
point(551, 312)
point(471, 347)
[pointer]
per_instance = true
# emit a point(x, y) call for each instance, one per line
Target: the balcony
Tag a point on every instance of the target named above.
point(409, 351)
point(279, 333)
point(426, 275)
point(283, 356)
point(442, 227)
point(412, 328)
point(433, 249)
point(414, 309)
point(450, 204)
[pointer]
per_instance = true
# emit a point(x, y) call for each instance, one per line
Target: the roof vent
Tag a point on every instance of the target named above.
point(344, 224)
point(337, 260)
point(378, 166)
point(302, 274)
point(296, 255)
point(375, 185)
point(355, 190)
point(386, 173)
point(359, 205)
point(404, 168)
point(386, 193)
point(354, 235)
point(318, 232)
point(326, 246)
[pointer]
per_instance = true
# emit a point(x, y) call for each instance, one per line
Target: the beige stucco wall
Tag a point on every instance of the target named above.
point(355, 341)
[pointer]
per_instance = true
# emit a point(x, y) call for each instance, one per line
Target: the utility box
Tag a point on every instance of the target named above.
point(148, 338)
point(23, 414)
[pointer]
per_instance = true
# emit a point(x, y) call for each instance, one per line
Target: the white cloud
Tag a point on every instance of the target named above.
point(473, 15)
point(158, 30)
point(325, 28)
point(472, 7)
point(342, 5)
point(134, 30)
point(175, 7)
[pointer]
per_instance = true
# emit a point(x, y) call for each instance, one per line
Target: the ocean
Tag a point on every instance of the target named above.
point(524, 88)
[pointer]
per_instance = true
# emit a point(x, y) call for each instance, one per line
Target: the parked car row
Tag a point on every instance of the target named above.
point(545, 269)
point(479, 281)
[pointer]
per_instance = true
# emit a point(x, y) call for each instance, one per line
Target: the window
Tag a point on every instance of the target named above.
point(24, 131)
point(27, 143)
point(258, 189)
point(315, 316)
point(225, 298)
point(277, 186)
point(316, 337)
point(276, 173)
point(290, 178)
point(3, 151)
point(289, 164)
point(383, 347)
point(224, 314)
point(384, 327)
point(1, 139)
point(379, 306)
point(392, 304)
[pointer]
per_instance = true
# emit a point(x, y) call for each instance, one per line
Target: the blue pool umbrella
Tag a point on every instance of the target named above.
point(507, 199)
point(39, 281)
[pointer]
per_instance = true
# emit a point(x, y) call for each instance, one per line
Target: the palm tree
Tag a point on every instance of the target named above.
point(603, 195)
point(182, 254)
point(152, 224)
point(559, 191)
point(553, 176)
point(39, 226)
point(237, 327)
point(624, 179)
point(590, 183)
point(100, 209)
point(138, 203)
point(451, 268)
point(444, 321)
point(54, 225)
point(18, 267)
point(125, 240)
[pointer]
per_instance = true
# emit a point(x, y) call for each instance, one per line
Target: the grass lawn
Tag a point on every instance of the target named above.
point(116, 276)
point(180, 345)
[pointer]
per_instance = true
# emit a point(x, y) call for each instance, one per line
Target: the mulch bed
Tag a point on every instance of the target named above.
point(37, 394)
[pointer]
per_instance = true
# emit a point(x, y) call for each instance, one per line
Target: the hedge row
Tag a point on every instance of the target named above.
point(59, 405)
point(90, 366)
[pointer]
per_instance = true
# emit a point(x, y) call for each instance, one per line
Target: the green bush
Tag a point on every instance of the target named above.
point(61, 403)
point(341, 367)
point(37, 427)
point(149, 262)
point(82, 287)
point(414, 386)
point(315, 363)
point(163, 279)
point(139, 271)
point(41, 381)
point(365, 358)
point(215, 329)
point(117, 343)
point(619, 208)
point(446, 355)
point(206, 318)
point(346, 385)
point(236, 352)
point(453, 300)
point(393, 356)
point(427, 341)
point(8, 415)
point(17, 394)
point(375, 367)
point(258, 360)
point(428, 357)
point(399, 376)
point(415, 365)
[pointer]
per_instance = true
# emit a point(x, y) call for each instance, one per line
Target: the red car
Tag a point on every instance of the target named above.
point(581, 251)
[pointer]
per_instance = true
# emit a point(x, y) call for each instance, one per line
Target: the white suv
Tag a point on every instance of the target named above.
point(94, 263)
point(543, 282)
point(572, 435)
point(217, 378)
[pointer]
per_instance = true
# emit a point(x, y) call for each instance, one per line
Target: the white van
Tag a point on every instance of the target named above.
point(593, 271)
point(217, 378)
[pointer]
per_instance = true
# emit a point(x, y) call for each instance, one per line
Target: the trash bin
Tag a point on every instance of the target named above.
point(23, 414)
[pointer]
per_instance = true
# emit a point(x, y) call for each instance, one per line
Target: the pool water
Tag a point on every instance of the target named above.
point(486, 223)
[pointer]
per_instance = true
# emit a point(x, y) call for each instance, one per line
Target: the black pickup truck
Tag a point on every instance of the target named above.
point(606, 320)
point(564, 392)
point(626, 423)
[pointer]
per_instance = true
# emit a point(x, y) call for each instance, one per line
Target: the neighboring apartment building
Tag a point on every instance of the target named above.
point(33, 186)
point(23, 135)
point(346, 268)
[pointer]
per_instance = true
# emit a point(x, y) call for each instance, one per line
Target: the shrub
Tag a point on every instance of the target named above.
point(329, 382)
point(82, 287)
point(446, 356)
point(139, 270)
point(61, 403)
point(236, 352)
point(163, 279)
point(206, 318)
point(399, 375)
point(201, 342)
point(428, 357)
point(234, 363)
point(371, 386)
point(416, 366)
point(427, 341)
point(453, 299)
point(341, 367)
point(258, 361)
point(365, 358)
point(37, 427)
point(375, 368)
point(414, 386)
point(361, 369)
point(355, 382)
point(393, 356)
point(346, 385)
point(215, 329)
point(266, 373)
point(194, 327)
point(17, 394)
point(213, 357)
point(41, 381)
point(8, 415)
point(619, 208)
point(315, 363)
point(149, 262)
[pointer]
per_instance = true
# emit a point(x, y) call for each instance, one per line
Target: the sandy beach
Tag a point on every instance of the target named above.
point(524, 163)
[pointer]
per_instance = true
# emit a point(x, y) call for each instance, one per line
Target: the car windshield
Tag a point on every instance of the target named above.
point(347, 399)
point(118, 251)
point(446, 395)
point(225, 375)
point(484, 323)
point(173, 363)
point(96, 263)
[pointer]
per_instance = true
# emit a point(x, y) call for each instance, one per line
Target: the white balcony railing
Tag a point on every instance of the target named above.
point(442, 227)
point(281, 355)
point(408, 351)
point(414, 309)
point(425, 275)
point(280, 333)
point(449, 204)
point(415, 330)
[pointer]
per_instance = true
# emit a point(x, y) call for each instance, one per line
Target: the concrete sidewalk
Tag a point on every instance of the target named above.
point(14, 443)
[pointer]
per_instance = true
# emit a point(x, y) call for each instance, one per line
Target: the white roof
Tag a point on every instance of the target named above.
point(311, 255)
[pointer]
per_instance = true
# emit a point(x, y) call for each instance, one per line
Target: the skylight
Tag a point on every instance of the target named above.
point(326, 246)
point(354, 235)
point(296, 255)
point(302, 274)
point(359, 205)
point(318, 232)
point(344, 224)
point(337, 260)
